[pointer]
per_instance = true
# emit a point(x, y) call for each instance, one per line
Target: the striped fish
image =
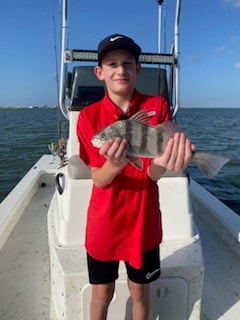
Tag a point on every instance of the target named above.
point(146, 141)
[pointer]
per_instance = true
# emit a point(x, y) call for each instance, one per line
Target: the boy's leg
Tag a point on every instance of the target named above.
point(139, 280)
point(102, 276)
point(101, 297)
point(140, 300)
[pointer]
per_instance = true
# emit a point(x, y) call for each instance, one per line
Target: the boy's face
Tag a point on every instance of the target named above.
point(119, 70)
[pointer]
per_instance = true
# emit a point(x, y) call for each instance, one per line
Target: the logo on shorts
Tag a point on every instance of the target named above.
point(149, 275)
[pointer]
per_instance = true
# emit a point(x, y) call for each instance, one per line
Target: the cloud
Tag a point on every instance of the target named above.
point(234, 3)
point(193, 57)
point(234, 39)
point(223, 50)
point(237, 65)
point(220, 49)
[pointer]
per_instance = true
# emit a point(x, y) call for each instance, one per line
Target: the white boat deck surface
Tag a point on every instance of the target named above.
point(25, 270)
point(25, 264)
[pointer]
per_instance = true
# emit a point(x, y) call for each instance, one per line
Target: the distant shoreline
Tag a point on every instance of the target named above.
point(53, 107)
point(28, 107)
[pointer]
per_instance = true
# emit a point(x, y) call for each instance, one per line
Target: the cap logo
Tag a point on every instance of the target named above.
point(115, 38)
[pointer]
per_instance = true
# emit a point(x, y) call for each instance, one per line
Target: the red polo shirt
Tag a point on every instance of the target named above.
point(123, 218)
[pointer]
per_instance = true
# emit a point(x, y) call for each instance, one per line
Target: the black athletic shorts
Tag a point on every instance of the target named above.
point(101, 272)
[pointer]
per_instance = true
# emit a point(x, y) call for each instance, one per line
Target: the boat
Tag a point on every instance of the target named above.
point(43, 272)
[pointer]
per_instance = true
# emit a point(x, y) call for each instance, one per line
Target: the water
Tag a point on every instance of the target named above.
point(216, 131)
point(25, 134)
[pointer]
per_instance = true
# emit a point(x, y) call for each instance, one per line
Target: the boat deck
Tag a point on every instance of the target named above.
point(25, 268)
point(25, 264)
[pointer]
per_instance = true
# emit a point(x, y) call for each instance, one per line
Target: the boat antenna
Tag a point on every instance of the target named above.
point(160, 2)
point(63, 66)
point(60, 147)
point(176, 54)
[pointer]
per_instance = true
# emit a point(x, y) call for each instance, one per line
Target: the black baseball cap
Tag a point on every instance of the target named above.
point(117, 41)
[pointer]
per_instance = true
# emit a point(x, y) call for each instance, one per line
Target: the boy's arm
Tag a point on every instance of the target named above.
point(115, 153)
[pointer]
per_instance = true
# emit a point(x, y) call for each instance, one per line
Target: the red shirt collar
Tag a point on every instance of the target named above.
point(112, 109)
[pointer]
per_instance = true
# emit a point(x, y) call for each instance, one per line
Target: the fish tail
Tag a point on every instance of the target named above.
point(209, 164)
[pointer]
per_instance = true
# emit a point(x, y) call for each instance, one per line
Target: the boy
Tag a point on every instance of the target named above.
point(124, 219)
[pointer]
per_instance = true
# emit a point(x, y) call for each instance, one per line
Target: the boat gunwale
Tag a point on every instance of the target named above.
point(227, 217)
point(13, 206)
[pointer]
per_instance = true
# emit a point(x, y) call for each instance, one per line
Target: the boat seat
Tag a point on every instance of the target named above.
point(77, 168)
point(84, 88)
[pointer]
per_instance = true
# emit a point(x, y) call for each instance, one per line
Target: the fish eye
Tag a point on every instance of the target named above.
point(102, 136)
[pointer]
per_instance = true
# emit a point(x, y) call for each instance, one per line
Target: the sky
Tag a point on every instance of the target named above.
point(209, 45)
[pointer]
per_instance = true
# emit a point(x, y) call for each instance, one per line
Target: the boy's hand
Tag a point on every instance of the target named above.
point(115, 151)
point(177, 155)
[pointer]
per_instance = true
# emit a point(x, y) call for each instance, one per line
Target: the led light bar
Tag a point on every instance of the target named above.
point(145, 58)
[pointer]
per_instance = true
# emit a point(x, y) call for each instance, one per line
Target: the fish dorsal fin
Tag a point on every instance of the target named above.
point(170, 128)
point(141, 116)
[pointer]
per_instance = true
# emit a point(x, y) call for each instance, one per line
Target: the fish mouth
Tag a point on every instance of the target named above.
point(96, 143)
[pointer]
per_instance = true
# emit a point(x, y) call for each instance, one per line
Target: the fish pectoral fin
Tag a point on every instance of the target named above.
point(136, 162)
point(209, 164)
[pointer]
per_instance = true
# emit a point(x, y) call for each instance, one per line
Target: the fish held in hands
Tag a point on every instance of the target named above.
point(147, 141)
